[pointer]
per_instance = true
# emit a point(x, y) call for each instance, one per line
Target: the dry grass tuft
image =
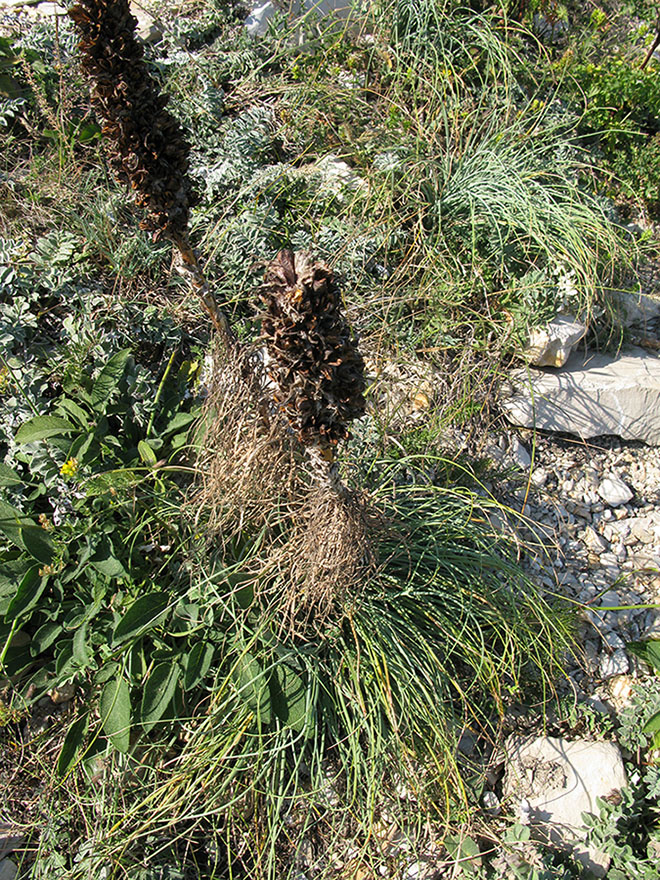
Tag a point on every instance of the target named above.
point(331, 557)
point(315, 553)
point(247, 460)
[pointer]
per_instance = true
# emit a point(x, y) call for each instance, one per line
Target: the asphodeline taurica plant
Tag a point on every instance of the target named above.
point(313, 357)
point(144, 142)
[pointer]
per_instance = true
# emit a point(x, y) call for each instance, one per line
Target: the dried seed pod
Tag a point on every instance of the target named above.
point(313, 356)
point(146, 144)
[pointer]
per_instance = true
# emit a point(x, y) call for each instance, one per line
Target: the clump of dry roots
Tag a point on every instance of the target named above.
point(272, 421)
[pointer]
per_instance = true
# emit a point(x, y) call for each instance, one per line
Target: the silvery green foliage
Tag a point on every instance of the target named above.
point(645, 702)
point(57, 329)
point(627, 831)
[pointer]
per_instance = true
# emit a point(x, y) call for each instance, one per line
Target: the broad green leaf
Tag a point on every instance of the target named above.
point(252, 685)
point(42, 427)
point(653, 724)
point(145, 613)
point(122, 478)
point(198, 664)
point(45, 636)
point(115, 708)
point(27, 595)
point(648, 651)
point(25, 533)
point(8, 476)
point(147, 455)
point(37, 542)
point(81, 656)
point(104, 560)
point(11, 521)
point(158, 691)
point(289, 696)
point(72, 744)
point(109, 377)
point(106, 672)
point(72, 408)
point(178, 422)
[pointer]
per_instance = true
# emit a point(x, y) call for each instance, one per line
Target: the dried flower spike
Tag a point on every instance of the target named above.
point(313, 356)
point(146, 145)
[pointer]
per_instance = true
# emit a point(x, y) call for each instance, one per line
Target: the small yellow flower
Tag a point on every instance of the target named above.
point(44, 522)
point(69, 468)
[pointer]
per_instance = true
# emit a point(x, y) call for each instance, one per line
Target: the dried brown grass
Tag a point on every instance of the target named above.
point(316, 551)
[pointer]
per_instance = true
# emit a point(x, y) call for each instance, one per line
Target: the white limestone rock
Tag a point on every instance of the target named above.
point(550, 346)
point(591, 396)
point(614, 664)
point(558, 780)
point(326, 12)
point(259, 19)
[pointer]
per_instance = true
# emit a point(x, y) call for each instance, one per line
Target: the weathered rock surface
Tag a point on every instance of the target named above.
point(8, 870)
point(550, 346)
point(10, 840)
point(591, 396)
point(638, 310)
point(559, 780)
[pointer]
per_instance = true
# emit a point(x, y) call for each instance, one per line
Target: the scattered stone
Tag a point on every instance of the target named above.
point(645, 529)
point(637, 310)
point(328, 12)
point(9, 840)
point(559, 780)
point(610, 599)
point(259, 19)
point(613, 640)
point(491, 803)
point(620, 688)
point(550, 346)
point(594, 541)
point(614, 664)
point(539, 477)
point(63, 693)
point(592, 395)
point(519, 454)
point(614, 491)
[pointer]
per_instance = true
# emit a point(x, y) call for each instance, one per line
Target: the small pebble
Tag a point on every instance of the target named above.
point(491, 803)
point(614, 491)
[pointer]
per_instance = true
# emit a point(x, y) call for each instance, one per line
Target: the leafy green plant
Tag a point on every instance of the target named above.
point(645, 706)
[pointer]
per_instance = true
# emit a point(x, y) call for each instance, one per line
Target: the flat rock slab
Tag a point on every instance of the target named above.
point(557, 780)
point(592, 395)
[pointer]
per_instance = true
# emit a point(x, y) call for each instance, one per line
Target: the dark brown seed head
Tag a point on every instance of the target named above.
point(146, 145)
point(313, 355)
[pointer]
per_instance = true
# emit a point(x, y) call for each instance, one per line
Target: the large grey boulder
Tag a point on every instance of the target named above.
point(592, 395)
point(554, 781)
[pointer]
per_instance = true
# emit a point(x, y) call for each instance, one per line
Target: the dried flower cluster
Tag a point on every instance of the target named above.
point(313, 356)
point(146, 144)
